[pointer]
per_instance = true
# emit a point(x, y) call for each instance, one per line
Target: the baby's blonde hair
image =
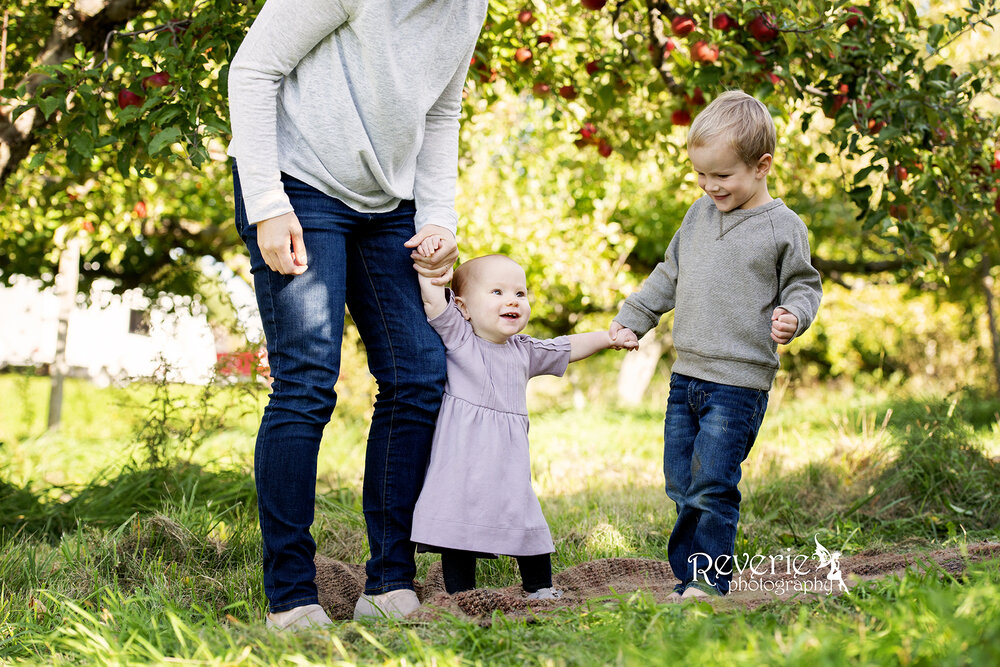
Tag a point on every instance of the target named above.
point(466, 272)
point(739, 119)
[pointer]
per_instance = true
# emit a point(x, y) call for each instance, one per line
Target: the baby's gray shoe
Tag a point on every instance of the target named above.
point(307, 616)
point(549, 593)
point(394, 604)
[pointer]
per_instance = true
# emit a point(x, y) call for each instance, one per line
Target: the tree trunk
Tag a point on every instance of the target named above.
point(637, 368)
point(987, 284)
point(87, 22)
point(67, 283)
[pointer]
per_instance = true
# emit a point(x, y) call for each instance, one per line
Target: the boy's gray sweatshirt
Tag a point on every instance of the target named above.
point(724, 274)
point(359, 99)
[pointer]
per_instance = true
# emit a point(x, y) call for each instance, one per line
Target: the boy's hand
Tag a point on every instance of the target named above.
point(437, 265)
point(622, 338)
point(783, 326)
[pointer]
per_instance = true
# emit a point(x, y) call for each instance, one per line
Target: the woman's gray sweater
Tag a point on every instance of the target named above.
point(359, 99)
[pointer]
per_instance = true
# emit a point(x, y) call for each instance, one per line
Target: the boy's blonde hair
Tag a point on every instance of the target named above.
point(739, 119)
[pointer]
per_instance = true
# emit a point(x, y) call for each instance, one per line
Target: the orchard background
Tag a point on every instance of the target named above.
point(113, 128)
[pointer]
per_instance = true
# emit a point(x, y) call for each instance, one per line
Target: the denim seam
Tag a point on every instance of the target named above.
point(392, 414)
point(292, 604)
point(265, 421)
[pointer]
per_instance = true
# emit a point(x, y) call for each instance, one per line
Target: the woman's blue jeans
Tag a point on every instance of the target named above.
point(708, 432)
point(357, 259)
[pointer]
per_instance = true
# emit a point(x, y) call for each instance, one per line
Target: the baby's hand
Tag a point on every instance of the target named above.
point(783, 325)
point(429, 246)
point(622, 338)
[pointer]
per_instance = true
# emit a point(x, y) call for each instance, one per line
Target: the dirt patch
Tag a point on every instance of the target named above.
point(772, 578)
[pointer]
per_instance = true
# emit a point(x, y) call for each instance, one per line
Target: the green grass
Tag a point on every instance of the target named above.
point(106, 559)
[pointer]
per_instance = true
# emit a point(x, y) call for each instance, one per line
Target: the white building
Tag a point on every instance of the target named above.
point(110, 337)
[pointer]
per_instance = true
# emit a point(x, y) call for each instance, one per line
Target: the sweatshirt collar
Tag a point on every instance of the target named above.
point(729, 220)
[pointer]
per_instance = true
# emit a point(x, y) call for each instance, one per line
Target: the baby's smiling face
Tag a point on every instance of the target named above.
point(495, 300)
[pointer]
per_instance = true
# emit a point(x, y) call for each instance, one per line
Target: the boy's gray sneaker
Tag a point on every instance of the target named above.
point(307, 616)
point(394, 604)
point(549, 593)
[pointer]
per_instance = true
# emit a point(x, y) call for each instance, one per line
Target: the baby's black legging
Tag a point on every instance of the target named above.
point(459, 569)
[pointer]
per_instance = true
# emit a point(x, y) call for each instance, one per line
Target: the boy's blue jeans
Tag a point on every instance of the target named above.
point(357, 259)
point(708, 432)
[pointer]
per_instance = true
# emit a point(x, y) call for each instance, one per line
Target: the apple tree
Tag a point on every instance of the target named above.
point(108, 103)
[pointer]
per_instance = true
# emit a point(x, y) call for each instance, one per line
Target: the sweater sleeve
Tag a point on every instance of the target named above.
point(800, 286)
point(281, 35)
point(437, 161)
point(643, 309)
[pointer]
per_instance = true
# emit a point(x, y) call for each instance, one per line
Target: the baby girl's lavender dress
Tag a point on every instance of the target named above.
point(477, 495)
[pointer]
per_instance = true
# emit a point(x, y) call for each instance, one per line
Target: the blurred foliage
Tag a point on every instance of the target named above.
point(573, 157)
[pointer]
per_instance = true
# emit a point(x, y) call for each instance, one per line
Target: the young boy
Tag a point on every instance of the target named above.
point(739, 277)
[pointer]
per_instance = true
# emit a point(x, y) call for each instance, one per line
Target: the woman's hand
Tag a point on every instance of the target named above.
point(281, 245)
point(438, 265)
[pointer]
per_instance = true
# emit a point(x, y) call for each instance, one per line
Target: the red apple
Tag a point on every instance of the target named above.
point(88, 226)
point(581, 143)
point(759, 57)
point(724, 22)
point(774, 78)
point(592, 67)
point(522, 55)
point(593, 5)
point(139, 210)
point(546, 38)
point(567, 92)
point(541, 89)
point(762, 28)
point(996, 161)
point(702, 52)
point(838, 102)
point(697, 98)
point(898, 211)
point(525, 17)
point(900, 173)
point(682, 25)
point(588, 131)
point(875, 126)
point(855, 18)
point(604, 148)
point(126, 98)
point(996, 205)
point(156, 80)
point(680, 117)
point(669, 45)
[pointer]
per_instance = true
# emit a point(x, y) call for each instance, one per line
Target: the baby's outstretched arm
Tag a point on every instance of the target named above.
point(432, 295)
point(583, 345)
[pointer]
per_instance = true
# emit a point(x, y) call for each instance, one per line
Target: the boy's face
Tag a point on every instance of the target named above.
point(730, 182)
point(495, 300)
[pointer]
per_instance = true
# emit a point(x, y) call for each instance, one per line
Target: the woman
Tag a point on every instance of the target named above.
point(345, 143)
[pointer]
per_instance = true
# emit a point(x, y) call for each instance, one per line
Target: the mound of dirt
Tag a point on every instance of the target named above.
point(766, 579)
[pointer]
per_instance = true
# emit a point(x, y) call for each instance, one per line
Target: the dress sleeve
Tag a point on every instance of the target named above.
point(455, 330)
point(547, 357)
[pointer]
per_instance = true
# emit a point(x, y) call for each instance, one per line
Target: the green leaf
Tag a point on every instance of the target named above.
point(823, 158)
point(49, 104)
point(37, 160)
point(163, 139)
point(934, 35)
